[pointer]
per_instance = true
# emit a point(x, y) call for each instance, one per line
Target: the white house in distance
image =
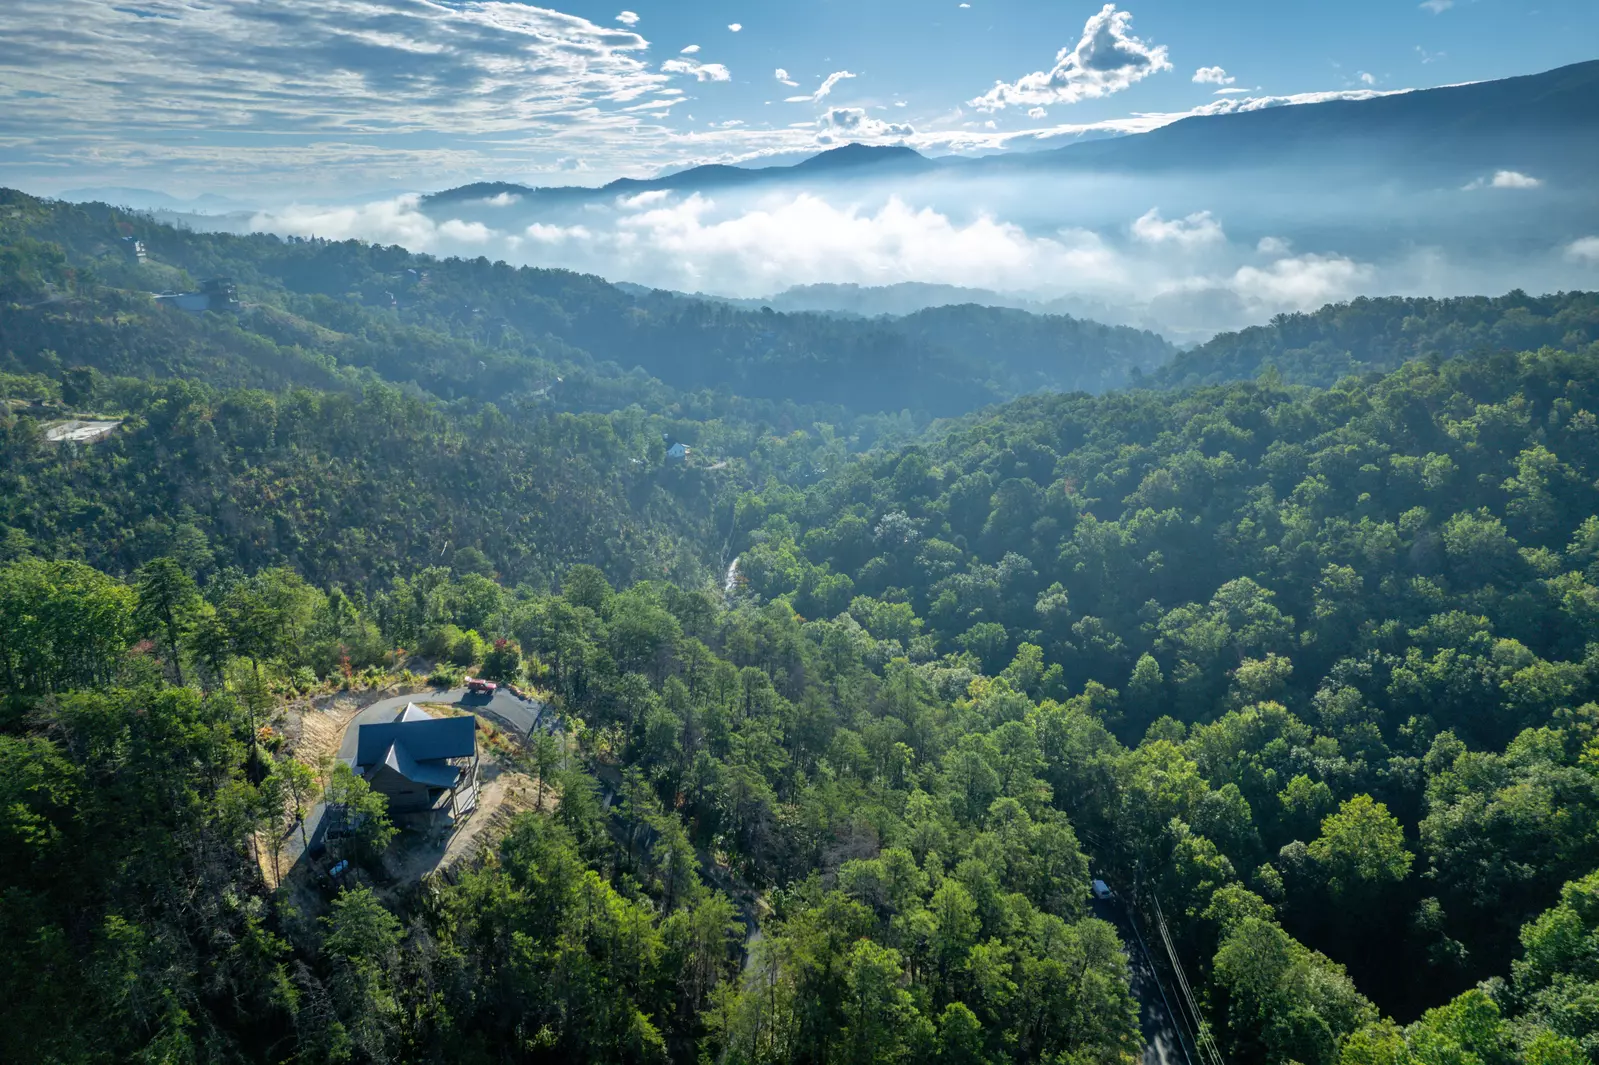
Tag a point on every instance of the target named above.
point(420, 763)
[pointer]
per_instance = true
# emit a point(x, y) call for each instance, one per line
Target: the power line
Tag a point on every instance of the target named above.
point(1178, 1021)
point(1202, 1037)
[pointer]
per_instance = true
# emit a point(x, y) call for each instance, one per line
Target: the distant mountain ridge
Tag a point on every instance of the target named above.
point(1548, 120)
point(851, 158)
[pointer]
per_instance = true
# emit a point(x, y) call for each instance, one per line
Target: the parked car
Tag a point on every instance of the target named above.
point(479, 686)
point(1102, 890)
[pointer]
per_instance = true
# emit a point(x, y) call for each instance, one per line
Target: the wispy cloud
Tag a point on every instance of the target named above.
point(283, 66)
point(782, 76)
point(823, 91)
point(1437, 7)
point(1106, 60)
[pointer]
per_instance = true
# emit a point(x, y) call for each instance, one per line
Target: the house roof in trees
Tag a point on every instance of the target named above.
point(426, 740)
point(433, 774)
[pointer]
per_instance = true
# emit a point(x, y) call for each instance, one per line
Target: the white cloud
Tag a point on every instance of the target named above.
point(1232, 92)
point(504, 199)
point(1273, 246)
point(1505, 179)
point(1367, 79)
point(753, 248)
point(1194, 231)
point(806, 240)
point(1303, 282)
point(700, 71)
point(1037, 112)
point(854, 124)
point(1106, 60)
point(1586, 249)
point(735, 26)
point(1437, 7)
point(821, 93)
point(551, 236)
point(782, 76)
point(1212, 76)
point(648, 198)
point(692, 49)
point(628, 18)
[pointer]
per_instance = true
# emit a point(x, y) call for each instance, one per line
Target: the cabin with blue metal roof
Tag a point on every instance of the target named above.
point(420, 763)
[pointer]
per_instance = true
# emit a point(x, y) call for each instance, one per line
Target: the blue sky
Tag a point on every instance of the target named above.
point(275, 99)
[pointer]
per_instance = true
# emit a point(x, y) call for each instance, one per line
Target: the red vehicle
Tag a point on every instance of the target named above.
point(478, 686)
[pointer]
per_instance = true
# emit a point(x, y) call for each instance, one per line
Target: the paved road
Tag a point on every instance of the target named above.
point(521, 716)
point(1163, 1043)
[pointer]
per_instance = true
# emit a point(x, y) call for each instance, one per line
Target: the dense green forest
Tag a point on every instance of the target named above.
point(1309, 673)
point(1378, 335)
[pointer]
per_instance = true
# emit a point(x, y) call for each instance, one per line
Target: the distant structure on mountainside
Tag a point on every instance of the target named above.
point(215, 294)
point(78, 431)
point(677, 452)
point(135, 250)
point(420, 763)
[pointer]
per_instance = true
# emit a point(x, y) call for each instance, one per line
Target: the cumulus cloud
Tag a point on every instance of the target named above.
point(1505, 179)
point(692, 49)
point(700, 71)
point(826, 88)
point(1303, 282)
point(1106, 60)
point(1212, 76)
point(1195, 230)
point(628, 18)
point(782, 76)
point(1037, 112)
point(1584, 250)
point(735, 26)
point(854, 124)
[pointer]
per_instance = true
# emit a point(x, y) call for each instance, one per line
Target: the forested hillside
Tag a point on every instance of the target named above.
point(475, 328)
point(1350, 633)
point(1309, 674)
point(1352, 729)
point(1378, 335)
point(357, 489)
